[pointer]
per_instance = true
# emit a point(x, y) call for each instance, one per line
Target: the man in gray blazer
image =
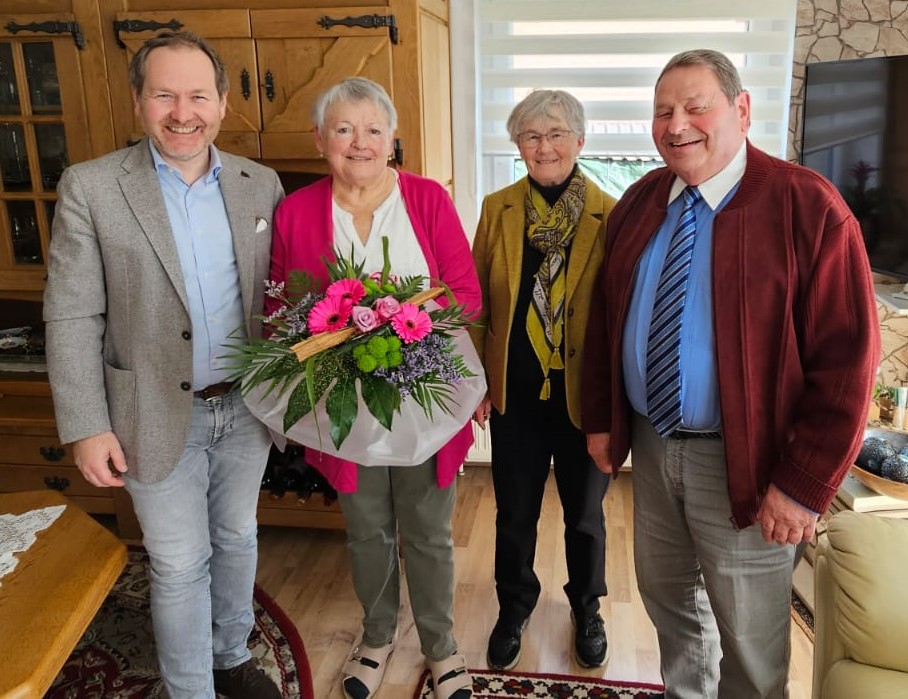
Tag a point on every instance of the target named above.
point(159, 255)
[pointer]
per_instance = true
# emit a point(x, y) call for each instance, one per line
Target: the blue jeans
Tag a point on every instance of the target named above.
point(199, 529)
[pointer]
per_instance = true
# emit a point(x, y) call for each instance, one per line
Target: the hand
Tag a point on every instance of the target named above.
point(100, 459)
point(482, 412)
point(783, 520)
point(597, 444)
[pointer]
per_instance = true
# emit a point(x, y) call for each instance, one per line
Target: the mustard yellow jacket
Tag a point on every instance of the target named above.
point(498, 254)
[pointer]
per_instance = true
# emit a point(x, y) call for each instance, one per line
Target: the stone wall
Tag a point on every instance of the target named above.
point(829, 30)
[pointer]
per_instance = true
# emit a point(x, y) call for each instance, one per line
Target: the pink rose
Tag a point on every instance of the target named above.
point(364, 319)
point(386, 307)
point(376, 277)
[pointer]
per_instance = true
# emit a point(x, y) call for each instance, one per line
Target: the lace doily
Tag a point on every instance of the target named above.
point(17, 533)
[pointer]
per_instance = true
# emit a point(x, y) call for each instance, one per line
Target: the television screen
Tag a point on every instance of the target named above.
point(855, 132)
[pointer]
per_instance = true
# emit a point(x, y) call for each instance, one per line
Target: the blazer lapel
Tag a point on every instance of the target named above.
point(513, 225)
point(582, 245)
point(142, 191)
point(235, 188)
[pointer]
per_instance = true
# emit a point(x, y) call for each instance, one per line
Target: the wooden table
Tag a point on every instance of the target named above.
point(56, 589)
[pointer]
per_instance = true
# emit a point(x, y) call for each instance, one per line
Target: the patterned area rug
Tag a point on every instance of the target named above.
point(801, 615)
point(116, 658)
point(501, 685)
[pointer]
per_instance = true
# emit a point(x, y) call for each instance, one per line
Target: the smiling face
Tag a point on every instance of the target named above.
point(180, 108)
point(547, 164)
point(696, 130)
point(356, 142)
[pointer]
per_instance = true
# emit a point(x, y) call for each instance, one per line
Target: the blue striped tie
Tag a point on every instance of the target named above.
point(663, 349)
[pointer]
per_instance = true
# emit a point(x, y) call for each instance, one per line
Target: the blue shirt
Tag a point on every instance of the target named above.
point(699, 378)
point(201, 230)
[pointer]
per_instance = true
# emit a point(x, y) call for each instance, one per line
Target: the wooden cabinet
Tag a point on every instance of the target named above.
point(34, 459)
point(289, 511)
point(44, 127)
point(279, 56)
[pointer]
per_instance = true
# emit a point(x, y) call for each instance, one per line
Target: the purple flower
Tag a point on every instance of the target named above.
point(386, 307)
point(365, 319)
point(429, 360)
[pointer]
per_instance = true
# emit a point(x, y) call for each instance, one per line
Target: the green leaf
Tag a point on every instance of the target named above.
point(299, 283)
point(386, 260)
point(381, 397)
point(298, 405)
point(342, 407)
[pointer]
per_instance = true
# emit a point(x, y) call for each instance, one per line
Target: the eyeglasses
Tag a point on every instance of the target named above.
point(556, 138)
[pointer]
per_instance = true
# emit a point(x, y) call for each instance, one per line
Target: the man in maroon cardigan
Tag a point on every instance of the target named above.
point(743, 427)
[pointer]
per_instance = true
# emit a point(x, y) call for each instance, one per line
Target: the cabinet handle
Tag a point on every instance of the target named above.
point(366, 22)
point(52, 453)
point(141, 25)
point(398, 152)
point(244, 84)
point(58, 483)
point(269, 85)
point(51, 27)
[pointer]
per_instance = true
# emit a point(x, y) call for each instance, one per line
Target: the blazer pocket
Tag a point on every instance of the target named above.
point(121, 403)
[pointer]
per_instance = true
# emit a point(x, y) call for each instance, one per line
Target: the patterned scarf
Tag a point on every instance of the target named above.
point(550, 230)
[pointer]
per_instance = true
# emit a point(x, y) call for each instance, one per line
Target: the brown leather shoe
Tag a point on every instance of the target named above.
point(246, 681)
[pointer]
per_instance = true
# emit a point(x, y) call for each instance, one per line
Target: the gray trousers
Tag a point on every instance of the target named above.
point(404, 500)
point(719, 598)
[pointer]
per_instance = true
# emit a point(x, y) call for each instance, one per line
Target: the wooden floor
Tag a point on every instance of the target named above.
point(307, 572)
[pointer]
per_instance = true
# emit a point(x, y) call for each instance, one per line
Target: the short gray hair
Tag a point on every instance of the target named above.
point(726, 73)
point(353, 90)
point(540, 104)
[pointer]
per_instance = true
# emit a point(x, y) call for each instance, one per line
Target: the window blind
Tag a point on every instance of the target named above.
point(608, 53)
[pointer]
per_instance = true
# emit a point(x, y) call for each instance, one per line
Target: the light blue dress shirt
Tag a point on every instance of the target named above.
point(201, 230)
point(700, 408)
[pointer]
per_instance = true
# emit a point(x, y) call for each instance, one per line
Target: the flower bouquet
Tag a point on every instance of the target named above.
point(391, 374)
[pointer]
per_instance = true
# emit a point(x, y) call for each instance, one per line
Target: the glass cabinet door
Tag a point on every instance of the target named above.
point(42, 112)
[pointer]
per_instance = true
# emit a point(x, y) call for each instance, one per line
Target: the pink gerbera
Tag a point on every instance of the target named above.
point(350, 289)
point(411, 324)
point(331, 313)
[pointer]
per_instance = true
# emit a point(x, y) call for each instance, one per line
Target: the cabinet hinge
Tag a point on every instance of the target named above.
point(366, 22)
point(142, 25)
point(50, 27)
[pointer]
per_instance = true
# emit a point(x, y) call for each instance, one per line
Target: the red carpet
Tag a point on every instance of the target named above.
point(503, 685)
point(116, 657)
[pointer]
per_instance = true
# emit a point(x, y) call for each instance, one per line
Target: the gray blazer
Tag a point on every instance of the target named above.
point(118, 333)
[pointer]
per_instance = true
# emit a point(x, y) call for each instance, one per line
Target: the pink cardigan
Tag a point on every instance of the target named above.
point(304, 233)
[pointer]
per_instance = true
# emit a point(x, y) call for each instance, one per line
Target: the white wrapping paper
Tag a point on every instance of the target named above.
point(413, 437)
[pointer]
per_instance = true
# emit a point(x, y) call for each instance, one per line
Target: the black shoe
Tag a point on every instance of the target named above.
point(504, 644)
point(590, 644)
point(245, 681)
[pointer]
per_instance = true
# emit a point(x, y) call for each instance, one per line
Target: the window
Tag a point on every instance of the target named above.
point(608, 54)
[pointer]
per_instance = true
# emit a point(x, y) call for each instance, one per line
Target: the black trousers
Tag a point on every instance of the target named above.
point(525, 440)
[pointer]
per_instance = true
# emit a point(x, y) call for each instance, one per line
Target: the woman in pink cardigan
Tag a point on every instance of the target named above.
point(361, 201)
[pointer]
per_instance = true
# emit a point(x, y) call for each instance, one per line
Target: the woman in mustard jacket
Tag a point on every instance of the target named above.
point(538, 247)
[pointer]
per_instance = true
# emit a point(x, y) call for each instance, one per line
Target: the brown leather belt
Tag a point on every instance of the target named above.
point(215, 390)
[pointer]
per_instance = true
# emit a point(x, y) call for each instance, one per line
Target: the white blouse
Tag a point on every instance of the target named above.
point(389, 219)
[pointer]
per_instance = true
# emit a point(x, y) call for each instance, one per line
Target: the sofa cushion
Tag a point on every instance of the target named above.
point(869, 564)
point(849, 680)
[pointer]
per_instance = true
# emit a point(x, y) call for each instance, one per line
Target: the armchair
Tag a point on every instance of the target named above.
point(861, 617)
